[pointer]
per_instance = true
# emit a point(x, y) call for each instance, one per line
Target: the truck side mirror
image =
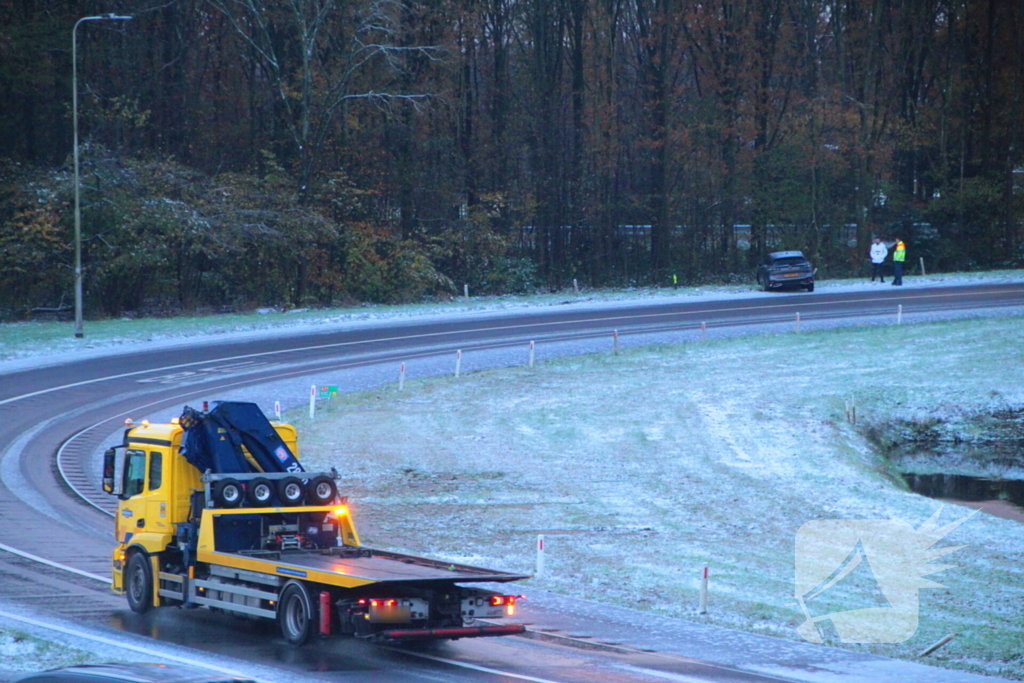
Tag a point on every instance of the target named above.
point(109, 459)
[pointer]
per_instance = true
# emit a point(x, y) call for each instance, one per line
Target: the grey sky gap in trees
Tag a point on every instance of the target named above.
point(318, 54)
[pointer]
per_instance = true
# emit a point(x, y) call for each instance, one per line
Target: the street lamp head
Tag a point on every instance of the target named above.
point(118, 17)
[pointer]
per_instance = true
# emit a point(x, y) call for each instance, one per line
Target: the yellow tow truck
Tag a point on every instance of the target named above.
point(214, 510)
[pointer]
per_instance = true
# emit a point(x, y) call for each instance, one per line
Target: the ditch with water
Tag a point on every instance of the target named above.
point(976, 459)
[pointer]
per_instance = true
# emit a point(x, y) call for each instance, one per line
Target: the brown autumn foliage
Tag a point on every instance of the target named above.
point(390, 151)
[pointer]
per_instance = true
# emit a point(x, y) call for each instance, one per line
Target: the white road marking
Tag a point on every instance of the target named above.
point(202, 373)
point(666, 675)
point(473, 667)
point(55, 565)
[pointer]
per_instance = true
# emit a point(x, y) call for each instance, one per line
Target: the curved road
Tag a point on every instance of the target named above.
point(43, 407)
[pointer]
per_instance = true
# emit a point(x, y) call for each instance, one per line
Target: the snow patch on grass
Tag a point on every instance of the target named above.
point(22, 652)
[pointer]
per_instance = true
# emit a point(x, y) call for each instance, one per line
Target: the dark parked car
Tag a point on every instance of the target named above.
point(130, 673)
point(783, 269)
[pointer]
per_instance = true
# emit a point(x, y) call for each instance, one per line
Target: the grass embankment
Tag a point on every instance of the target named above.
point(644, 467)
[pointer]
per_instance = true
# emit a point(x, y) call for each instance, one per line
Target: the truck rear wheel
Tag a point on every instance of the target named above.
point(139, 583)
point(296, 616)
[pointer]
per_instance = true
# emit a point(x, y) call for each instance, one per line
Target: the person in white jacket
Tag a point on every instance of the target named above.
point(878, 253)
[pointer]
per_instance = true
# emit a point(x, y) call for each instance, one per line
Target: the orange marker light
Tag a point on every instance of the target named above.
point(340, 511)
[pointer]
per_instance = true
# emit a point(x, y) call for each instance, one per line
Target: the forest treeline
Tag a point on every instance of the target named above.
point(240, 153)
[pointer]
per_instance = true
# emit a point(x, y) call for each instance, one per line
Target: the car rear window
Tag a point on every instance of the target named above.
point(789, 261)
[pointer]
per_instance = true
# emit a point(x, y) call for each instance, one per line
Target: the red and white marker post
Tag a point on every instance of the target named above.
point(704, 592)
point(540, 555)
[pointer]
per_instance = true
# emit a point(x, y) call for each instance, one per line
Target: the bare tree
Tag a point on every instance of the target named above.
point(319, 54)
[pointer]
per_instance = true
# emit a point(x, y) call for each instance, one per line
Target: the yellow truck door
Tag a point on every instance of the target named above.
point(144, 505)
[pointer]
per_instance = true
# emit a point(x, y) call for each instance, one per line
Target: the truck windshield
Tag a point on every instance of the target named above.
point(134, 473)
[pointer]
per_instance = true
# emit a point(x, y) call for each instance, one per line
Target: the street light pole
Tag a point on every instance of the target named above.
point(78, 215)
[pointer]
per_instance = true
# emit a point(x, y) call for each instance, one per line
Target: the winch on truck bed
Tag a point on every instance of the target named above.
point(216, 511)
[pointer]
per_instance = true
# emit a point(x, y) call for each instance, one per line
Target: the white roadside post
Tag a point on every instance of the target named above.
point(532, 350)
point(458, 362)
point(922, 265)
point(615, 342)
point(401, 377)
point(798, 321)
point(277, 410)
point(575, 287)
point(703, 332)
point(704, 592)
point(465, 289)
point(540, 554)
point(312, 402)
point(899, 314)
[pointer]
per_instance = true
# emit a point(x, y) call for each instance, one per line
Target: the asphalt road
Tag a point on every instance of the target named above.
point(45, 406)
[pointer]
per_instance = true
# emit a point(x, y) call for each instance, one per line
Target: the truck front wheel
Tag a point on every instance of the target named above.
point(296, 616)
point(139, 583)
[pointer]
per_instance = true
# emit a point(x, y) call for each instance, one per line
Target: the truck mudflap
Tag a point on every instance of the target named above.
point(459, 632)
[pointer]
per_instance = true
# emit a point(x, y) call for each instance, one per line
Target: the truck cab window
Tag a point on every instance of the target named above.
point(134, 473)
point(156, 469)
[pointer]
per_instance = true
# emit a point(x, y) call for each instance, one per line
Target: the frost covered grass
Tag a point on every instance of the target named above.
point(22, 652)
point(644, 467)
point(34, 339)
